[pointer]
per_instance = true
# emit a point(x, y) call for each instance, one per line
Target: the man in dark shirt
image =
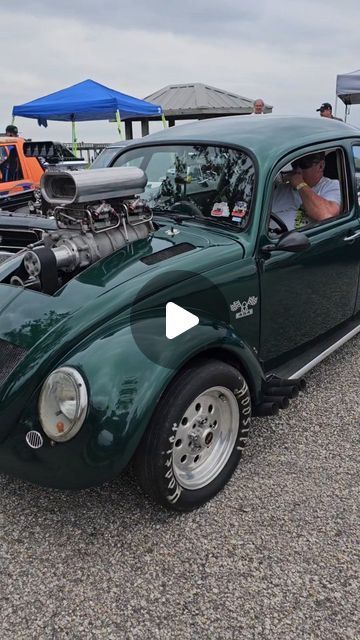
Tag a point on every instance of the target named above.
point(12, 131)
point(326, 111)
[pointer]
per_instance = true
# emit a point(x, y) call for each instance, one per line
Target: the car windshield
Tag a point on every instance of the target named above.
point(201, 181)
point(105, 157)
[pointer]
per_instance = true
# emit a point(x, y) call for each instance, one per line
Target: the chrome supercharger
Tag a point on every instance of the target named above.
point(95, 214)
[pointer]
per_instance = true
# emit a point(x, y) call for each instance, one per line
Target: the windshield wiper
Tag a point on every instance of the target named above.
point(171, 213)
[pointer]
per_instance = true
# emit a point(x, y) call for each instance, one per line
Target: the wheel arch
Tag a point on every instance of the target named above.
point(252, 375)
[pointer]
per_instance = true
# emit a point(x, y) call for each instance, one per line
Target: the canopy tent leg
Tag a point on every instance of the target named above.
point(118, 122)
point(74, 139)
point(163, 121)
point(13, 120)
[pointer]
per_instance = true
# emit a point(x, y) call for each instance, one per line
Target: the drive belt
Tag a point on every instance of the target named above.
point(48, 272)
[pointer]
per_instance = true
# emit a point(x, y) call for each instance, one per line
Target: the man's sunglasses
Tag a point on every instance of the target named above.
point(306, 163)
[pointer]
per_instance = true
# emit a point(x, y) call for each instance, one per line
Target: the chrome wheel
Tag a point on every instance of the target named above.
point(205, 437)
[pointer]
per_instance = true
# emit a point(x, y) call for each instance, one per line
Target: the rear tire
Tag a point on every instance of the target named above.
point(196, 436)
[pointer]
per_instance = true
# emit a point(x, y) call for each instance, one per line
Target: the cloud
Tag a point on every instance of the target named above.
point(186, 17)
point(288, 54)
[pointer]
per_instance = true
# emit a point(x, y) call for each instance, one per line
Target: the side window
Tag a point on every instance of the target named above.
point(134, 162)
point(356, 154)
point(10, 167)
point(293, 204)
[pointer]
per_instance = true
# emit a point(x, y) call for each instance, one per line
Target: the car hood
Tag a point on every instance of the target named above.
point(48, 326)
point(20, 219)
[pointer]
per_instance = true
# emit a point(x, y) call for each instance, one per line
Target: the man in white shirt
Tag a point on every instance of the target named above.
point(259, 106)
point(307, 196)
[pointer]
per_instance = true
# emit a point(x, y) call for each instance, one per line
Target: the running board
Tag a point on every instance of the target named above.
point(304, 362)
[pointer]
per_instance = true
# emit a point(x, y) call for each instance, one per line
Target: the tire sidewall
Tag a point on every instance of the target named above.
point(169, 490)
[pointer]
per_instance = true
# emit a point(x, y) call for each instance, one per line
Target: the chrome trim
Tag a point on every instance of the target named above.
point(34, 439)
point(82, 404)
point(325, 354)
point(353, 237)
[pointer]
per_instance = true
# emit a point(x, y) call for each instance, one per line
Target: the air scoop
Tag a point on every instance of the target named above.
point(70, 187)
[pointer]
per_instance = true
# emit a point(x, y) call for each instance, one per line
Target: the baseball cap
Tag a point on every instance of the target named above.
point(308, 161)
point(325, 105)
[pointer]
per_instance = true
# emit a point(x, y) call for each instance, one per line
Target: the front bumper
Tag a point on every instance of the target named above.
point(79, 463)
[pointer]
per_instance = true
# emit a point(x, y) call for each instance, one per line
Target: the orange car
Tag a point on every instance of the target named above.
point(22, 162)
point(17, 171)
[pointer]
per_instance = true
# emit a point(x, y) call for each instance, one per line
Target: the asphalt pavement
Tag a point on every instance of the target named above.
point(274, 556)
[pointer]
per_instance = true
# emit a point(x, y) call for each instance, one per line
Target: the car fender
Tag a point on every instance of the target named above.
point(124, 385)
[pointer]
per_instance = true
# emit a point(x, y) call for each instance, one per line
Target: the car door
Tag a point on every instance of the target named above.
point(304, 295)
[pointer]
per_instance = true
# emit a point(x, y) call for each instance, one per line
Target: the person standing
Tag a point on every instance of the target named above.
point(259, 106)
point(12, 131)
point(326, 111)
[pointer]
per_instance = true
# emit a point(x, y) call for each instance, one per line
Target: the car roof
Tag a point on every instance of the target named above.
point(123, 143)
point(11, 139)
point(261, 134)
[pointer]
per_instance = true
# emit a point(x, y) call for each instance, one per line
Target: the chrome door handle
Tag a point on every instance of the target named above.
point(354, 236)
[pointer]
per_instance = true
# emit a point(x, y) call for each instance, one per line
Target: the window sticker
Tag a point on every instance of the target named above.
point(239, 211)
point(221, 210)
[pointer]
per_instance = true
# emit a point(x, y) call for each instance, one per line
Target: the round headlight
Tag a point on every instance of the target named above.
point(63, 404)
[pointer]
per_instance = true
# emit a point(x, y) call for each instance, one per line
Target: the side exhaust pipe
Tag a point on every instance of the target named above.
point(266, 409)
point(277, 393)
point(282, 401)
point(274, 381)
point(290, 392)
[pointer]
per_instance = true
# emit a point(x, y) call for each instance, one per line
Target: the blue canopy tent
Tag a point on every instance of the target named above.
point(87, 100)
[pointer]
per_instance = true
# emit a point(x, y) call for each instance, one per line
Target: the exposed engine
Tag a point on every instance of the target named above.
point(95, 216)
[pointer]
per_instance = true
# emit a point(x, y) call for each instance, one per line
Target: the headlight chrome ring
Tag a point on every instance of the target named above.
point(63, 404)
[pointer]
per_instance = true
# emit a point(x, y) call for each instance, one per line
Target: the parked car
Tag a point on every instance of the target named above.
point(99, 367)
point(17, 171)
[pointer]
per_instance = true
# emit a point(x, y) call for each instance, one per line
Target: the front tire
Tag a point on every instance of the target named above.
point(196, 436)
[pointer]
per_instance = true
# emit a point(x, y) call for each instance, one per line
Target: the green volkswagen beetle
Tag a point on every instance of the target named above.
point(176, 298)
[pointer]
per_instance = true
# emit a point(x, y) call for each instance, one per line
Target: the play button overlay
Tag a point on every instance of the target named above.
point(177, 314)
point(178, 320)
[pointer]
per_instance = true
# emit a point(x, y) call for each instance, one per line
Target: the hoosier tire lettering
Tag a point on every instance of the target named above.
point(196, 436)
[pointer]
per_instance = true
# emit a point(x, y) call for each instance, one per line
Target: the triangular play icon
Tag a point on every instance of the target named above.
point(178, 320)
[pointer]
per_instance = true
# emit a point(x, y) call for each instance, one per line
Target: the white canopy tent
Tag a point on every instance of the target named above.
point(348, 89)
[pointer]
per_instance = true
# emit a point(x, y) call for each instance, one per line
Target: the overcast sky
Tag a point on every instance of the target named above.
point(287, 52)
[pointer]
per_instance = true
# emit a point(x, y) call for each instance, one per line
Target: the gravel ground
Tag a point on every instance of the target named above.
point(274, 556)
